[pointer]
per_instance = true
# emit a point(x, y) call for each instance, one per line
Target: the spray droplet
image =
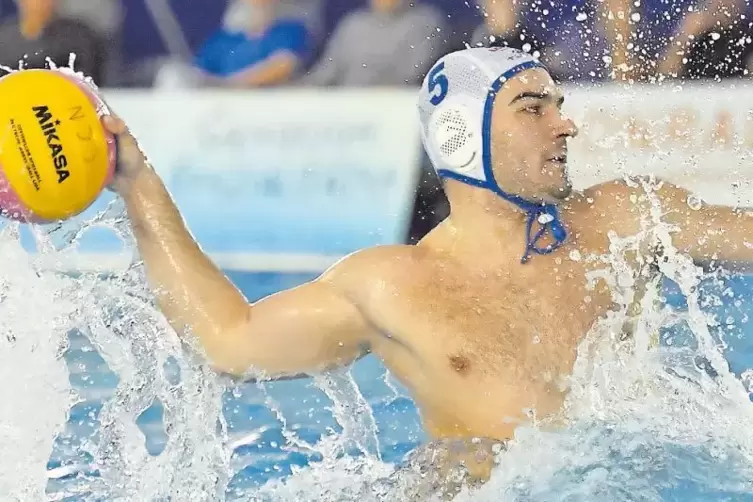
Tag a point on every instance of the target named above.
point(715, 35)
point(694, 202)
point(545, 218)
point(582, 16)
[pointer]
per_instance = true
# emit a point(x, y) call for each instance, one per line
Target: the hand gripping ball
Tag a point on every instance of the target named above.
point(55, 155)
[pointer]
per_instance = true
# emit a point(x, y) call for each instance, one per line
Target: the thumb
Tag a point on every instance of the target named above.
point(114, 125)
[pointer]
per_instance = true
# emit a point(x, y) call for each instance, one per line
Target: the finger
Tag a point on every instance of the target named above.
point(114, 125)
point(125, 148)
point(118, 163)
point(122, 138)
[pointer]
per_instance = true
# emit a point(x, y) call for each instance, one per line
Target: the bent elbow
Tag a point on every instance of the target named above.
point(244, 372)
point(228, 368)
point(227, 351)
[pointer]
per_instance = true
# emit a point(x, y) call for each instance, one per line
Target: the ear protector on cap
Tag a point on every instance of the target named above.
point(454, 131)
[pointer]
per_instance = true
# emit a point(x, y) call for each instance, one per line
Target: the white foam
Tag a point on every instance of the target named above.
point(33, 378)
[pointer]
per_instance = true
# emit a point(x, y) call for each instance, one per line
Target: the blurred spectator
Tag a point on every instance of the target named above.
point(256, 47)
point(308, 11)
point(505, 26)
point(713, 40)
point(56, 28)
point(578, 40)
point(390, 43)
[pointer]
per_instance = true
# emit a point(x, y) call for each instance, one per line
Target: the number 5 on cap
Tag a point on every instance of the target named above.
point(437, 79)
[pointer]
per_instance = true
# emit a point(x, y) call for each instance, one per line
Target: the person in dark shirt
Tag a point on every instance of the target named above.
point(387, 43)
point(56, 29)
point(713, 40)
point(577, 39)
point(505, 26)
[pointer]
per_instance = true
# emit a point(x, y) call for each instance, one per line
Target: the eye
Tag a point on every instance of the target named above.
point(533, 109)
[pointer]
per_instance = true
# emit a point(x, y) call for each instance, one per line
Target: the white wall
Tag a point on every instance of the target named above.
point(700, 137)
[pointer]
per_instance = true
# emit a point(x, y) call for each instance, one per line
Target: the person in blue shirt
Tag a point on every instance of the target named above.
point(266, 50)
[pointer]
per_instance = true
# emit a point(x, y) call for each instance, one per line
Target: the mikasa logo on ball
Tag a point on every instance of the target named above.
point(48, 124)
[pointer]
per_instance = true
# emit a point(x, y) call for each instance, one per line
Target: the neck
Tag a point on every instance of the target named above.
point(483, 212)
point(487, 216)
point(463, 195)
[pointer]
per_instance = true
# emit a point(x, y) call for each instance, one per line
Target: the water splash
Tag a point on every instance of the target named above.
point(643, 422)
point(117, 315)
point(33, 378)
point(641, 419)
point(651, 417)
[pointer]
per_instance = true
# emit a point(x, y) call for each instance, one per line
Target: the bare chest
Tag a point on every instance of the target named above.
point(474, 343)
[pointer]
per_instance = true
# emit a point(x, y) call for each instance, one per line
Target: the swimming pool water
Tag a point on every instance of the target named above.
point(263, 456)
point(304, 406)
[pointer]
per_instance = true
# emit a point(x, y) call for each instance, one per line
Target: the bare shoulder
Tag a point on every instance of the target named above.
point(621, 204)
point(615, 190)
point(634, 190)
point(365, 269)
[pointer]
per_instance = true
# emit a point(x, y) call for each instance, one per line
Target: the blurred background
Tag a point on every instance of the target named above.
point(252, 44)
point(286, 131)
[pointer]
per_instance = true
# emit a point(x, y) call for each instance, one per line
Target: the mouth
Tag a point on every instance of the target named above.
point(558, 159)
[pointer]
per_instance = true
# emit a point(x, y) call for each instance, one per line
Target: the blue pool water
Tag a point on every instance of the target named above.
point(307, 409)
point(304, 406)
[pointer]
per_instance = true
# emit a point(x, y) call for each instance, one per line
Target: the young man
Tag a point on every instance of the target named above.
point(482, 318)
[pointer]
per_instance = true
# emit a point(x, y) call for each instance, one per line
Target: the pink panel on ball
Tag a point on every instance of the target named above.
point(10, 205)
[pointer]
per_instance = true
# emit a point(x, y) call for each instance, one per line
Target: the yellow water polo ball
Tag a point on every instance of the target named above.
point(55, 155)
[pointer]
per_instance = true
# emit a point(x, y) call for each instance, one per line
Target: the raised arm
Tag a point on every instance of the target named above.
point(706, 232)
point(303, 330)
point(695, 23)
point(614, 18)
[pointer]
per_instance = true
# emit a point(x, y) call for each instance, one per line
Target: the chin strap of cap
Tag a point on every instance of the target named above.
point(548, 218)
point(545, 214)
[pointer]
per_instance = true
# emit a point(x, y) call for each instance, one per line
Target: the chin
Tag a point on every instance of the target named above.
point(560, 193)
point(563, 192)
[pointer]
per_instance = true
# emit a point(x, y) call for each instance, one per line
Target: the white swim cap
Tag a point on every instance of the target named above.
point(455, 109)
point(455, 104)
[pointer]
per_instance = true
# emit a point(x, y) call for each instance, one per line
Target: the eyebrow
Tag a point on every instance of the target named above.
point(536, 95)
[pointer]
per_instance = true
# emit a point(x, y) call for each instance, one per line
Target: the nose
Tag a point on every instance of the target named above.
point(566, 127)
